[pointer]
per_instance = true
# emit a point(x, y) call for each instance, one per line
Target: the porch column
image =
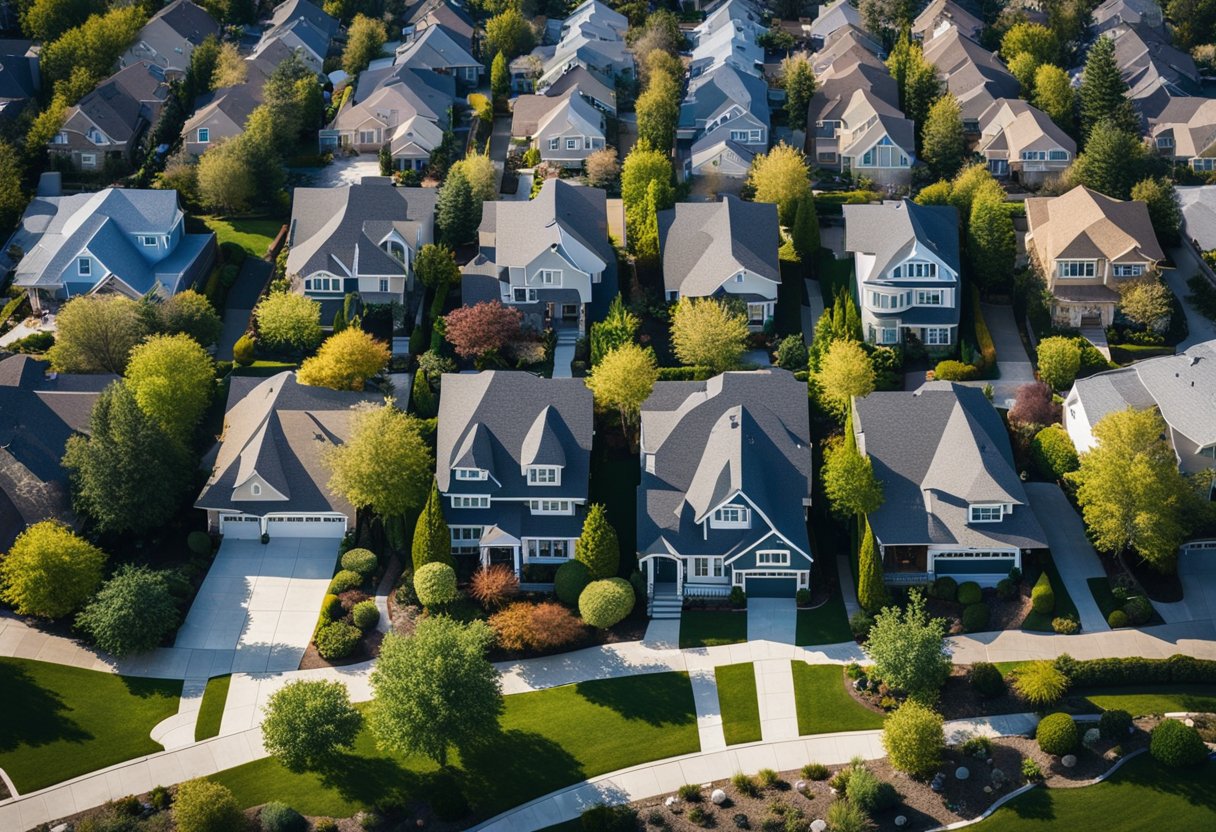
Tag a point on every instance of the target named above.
point(516, 553)
point(650, 577)
point(680, 577)
point(485, 557)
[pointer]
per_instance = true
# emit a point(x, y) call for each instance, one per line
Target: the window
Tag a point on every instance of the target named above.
point(554, 143)
point(149, 242)
point(97, 137)
point(706, 567)
point(937, 336)
point(1203, 164)
point(916, 270)
point(60, 138)
point(84, 266)
point(1165, 142)
point(1075, 268)
point(367, 137)
point(322, 284)
point(738, 135)
point(740, 277)
point(549, 277)
point(88, 160)
point(774, 557)
point(1057, 155)
point(544, 475)
point(929, 297)
point(573, 144)
point(465, 538)
point(1034, 155)
point(1129, 270)
point(469, 473)
point(255, 490)
point(551, 506)
point(732, 516)
point(986, 514)
point(888, 335)
point(757, 313)
point(470, 501)
point(522, 295)
point(548, 549)
point(204, 135)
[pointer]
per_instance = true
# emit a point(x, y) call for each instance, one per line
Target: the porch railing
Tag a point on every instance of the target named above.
point(704, 591)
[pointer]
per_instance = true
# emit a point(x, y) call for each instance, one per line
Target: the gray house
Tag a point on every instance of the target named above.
point(512, 462)
point(109, 123)
point(725, 120)
point(726, 480)
point(169, 38)
point(435, 49)
point(953, 503)
point(564, 127)
point(20, 79)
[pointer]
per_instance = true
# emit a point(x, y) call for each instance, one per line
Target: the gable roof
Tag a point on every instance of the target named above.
point(304, 10)
point(890, 231)
point(586, 83)
point(1011, 124)
point(419, 90)
point(714, 92)
point(18, 70)
point(561, 215)
point(973, 74)
point(125, 101)
point(1199, 214)
point(835, 92)
point(1086, 224)
point(454, 18)
point(948, 13)
point(435, 49)
point(704, 243)
point(835, 16)
point(1138, 13)
point(189, 21)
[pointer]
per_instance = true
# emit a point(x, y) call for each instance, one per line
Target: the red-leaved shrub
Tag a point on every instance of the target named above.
point(544, 626)
point(494, 586)
point(1033, 406)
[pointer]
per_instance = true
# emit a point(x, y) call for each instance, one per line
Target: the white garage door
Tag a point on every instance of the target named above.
point(239, 527)
point(313, 525)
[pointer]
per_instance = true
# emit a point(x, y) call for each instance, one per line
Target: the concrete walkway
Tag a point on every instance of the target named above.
point(1012, 362)
point(1071, 550)
point(1097, 336)
point(1197, 571)
point(238, 306)
point(775, 694)
point(848, 591)
point(1200, 327)
point(709, 710)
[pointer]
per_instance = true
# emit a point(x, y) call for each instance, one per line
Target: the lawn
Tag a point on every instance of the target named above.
point(710, 628)
point(58, 722)
point(827, 623)
point(547, 740)
point(1154, 699)
point(253, 235)
point(1064, 604)
point(739, 703)
point(212, 710)
point(823, 705)
point(1140, 795)
point(834, 275)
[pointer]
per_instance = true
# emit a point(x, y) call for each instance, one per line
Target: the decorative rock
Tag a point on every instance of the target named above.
point(1188, 722)
point(832, 789)
point(1068, 760)
point(818, 825)
point(860, 684)
point(63, 827)
point(962, 773)
point(1091, 736)
point(900, 820)
point(987, 789)
point(939, 782)
point(671, 801)
point(998, 778)
point(800, 786)
point(718, 797)
point(988, 761)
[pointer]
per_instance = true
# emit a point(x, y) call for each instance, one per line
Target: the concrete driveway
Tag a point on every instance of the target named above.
point(1074, 557)
point(1197, 571)
point(343, 170)
point(1201, 328)
point(238, 306)
point(261, 602)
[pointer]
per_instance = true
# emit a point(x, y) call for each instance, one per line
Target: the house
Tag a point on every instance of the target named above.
point(512, 463)
point(1086, 246)
point(945, 14)
point(593, 37)
point(1185, 131)
point(1182, 387)
point(725, 249)
point(435, 49)
point(906, 258)
point(1018, 139)
point(591, 88)
point(953, 503)
point(39, 412)
point(832, 17)
point(845, 48)
point(220, 115)
point(724, 121)
point(109, 122)
point(267, 472)
point(1135, 13)
point(564, 127)
point(549, 257)
point(446, 13)
point(20, 78)
point(170, 37)
point(303, 28)
point(726, 481)
point(973, 75)
point(728, 37)
point(360, 238)
point(1154, 69)
point(125, 241)
point(1199, 215)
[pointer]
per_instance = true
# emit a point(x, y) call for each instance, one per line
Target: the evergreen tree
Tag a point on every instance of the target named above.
point(597, 547)
point(455, 211)
point(1114, 160)
point(432, 540)
point(798, 79)
point(871, 593)
point(646, 243)
point(1164, 210)
point(943, 143)
point(500, 77)
point(991, 245)
point(1103, 91)
point(805, 231)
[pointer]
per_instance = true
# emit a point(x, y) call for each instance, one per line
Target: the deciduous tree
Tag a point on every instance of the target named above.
point(46, 20)
point(478, 168)
point(909, 649)
point(94, 46)
point(482, 328)
point(132, 613)
point(12, 193)
point(623, 379)
point(658, 107)
point(1164, 210)
point(844, 371)
point(365, 38)
point(1147, 302)
point(1059, 361)
point(49, 571)
point(385, 465)
point(602, 168)
point(991, 244)
point(190, 313)
point(1054, 95)
point(231, 68)
point(172, 379)
point(95, 334)
point(509, 33)
point(225, 177)
point(781, 177)
point(307, 721)
point(798, 79)
point(345, 361)
point(436, 267)
point(1033, 405)
point(848, 478)
point(288, 321)
point(705, 333)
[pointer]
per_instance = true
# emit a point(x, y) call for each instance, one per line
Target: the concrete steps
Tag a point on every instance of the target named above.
point(665, 606)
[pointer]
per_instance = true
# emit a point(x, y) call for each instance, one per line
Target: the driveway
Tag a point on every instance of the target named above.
point(771, 619)
point(343, 170)
point(1197, 571)
point(1011, 359)
point(238, 306)
point(500, 143)
point(1074, 557)
point(1201, 328)
point(261, 602)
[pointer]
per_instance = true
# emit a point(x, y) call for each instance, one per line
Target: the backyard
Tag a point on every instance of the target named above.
point(254, 234)
point(824, 706)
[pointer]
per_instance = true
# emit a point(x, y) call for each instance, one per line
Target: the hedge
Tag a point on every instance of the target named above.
point(983, 338)
point(1176, 670)
point(685, 373)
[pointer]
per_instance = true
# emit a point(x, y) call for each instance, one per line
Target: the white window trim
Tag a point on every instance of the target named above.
point(772, 557)
point(937, 336)
point(712, 566)
point(978, 513)
point(743, 520)
point(1085, 265)
point(532, 549)
point(469, 473)
point(560, 507)
point(529, 294)
point(1128, 269)
point(204, 135)
point(84, 266)
point(549, 277)
point(538, 475)
point(475, 501)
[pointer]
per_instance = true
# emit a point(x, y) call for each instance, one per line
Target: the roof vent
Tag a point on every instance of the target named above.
point(1194, 360)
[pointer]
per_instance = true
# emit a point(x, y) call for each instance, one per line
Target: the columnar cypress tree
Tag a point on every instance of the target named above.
point(597, 547)
point(871, 593)
point(805, 232)
point(432, 540)
point(455, 211)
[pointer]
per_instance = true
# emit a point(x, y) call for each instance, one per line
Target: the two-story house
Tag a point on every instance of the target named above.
point(565, 127)
point(832, 17)
point(125, 241)
point(725, 249)
point(170, 37)
point(906, 258)
point(973, 75)
point(1087, 245)
point(1185, 131)
point(357, 238)
point(434, 48)
point(108, 123)
point(512, 463)
point(593, 37)
point(304, 28)
point(729, 36)
point(953, 503)
point(1020, 140)
point(549, 257)
point(724, 122)
point(944, 14)
point(725, 485)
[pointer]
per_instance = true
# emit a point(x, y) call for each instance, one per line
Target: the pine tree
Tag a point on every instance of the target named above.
point(597, 547)
point(432, 540)
point(1114, 160)
point(871, 593)
point(943, 142)
point(456, 212)
point(1103, 91)
point(805, 232)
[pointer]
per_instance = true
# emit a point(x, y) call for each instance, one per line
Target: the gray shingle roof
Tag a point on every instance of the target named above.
point(522, 230)
point(888, 231)
point(705, 243)
point(1199, 214)
point(302, 9)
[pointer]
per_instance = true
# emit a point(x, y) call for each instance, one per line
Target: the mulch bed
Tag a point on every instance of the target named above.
point(1003, 614)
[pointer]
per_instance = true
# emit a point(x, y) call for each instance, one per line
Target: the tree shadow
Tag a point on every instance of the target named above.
point(508, 768)
point(32, 715)
point(1036, 804)
point(372, 780)
point(655, 698)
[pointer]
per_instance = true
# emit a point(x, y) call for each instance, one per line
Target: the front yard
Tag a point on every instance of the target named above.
point(824, 706)
point(712, 628)
point(739, 702)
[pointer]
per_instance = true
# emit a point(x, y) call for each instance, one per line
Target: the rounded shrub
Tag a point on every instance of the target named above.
point(802, 598)
point(279, 817)
point(365, 615)
point(1177, 745)
point(435, 584)
point(571, 579)
point(870, 793)
point(1117, 619)
point(975, 617)
point(363, 561)
point(1041, 683)
point(986, 679)
point(203, 806)
point(1066, 625)
point(945, 589)
point(337, 640)
point(605, 603)
point(1053, 452)
point(1138, 610)
point(912, 736)
point(969, 593)
point(244, 350)
point(950, 370)
point(345, 580)
point(1006, 589)
point(1113, 725)
point(199, 543)
point(1043, 597)
point(1057, 734)
point(331, 607)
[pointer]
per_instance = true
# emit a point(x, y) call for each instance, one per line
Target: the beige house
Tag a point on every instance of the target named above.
point(1021, 140)
point(1087, 246)
point(1186, 132)
point(565, 128)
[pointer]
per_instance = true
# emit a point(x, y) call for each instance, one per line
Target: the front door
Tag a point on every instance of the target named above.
point(664, 571)
point(502, 554)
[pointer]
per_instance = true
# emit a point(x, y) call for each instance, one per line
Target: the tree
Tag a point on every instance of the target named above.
point(172, 379)
point(909, 649)
point(92, 47)
point(128, 474)
point(645, 237)
point(658, 107)
point(432, 541)
point(436, 267)
point(1026, 47)
point(46, 20)
point(478, 168)
point(804, 234)
point(288, 321)
point(1059, 361)
point(623, 379)
point(705, 333)
point(190, 313)
point(871, 592)
point(306, 722)
point(455, 210)
point(937, 193)
point(798, 79)
point(1164, 210)
point(915, 79)
point(913, 738)
point(500, 77)
point(12, 194)
point(132, 613)
point(1147, 302)
point(943, 143)
point(364, 39)
point(1112, 163)
point(882, 17)
point(1104, 93)
point(781, 177)
point(230, 69)
point(507, 32)
point(1192, 21)
point(643, 165)
point(345, 361)
point(483, 328)
point(660, 33)
point(845, 371)
point(385, 465)
point(991, 244)
point(95, 334)
point(1033, 405)
point(602, 168)
point(597, 546)
point(435, 689)
point(618, 327)
point(49, 571)
point(848, 478)
point(1054, 95)
point(225, 175)
point(1130, 490)
point(203, 806)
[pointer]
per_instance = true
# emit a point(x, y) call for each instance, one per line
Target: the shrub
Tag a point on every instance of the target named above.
point(131, 613)
point(337, 640)
point(840, 780)
point(1031, 770)
point(1053, 452)
point(1177, 745)
point(860, 623)
point(868, 792)
point(1113, 725)
point(1040, 683)
point(233, 253)
point(815, 771)
point(404, 594)
point(331, 607)
point(844, 816)
point(1138, 610)
point(203, 806)
point(435, 584)
point(975, 618)
point(199, 543)
point(1057, 734)
point(279, 817)
point(954, 371)
point(571, 579)
point(1006, 589)
point(365, 615)
point(802, 598)
point(1176, 670)
point(544, 626)
point(244, 350)
point(1117, 619)
point(1066, 625)
point(690, 792)
point(345, 580)
point(606, 603)
point(969, 593)
point(1043, 597)
point(979, 747)
point(744, 785)
point(945, 589)
point(494, 586)
point(767, 778)
point(362, 561)
point(738, 598)
point(160, 798)
point(351, 597)
point(912, 736)
point(986, 679)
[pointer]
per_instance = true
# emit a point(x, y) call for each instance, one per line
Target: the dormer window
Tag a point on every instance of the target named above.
point(469, 473)
point(985, 513)
point(148, 242)
point(544, 475)
point(255, 490)
point(731, 517)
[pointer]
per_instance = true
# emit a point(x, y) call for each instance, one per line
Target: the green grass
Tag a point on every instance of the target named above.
point(823, 705)
point(58, 722)
point(212, 710)
point(1140, 795)
point(834, 275)
point(253, 235)
point(1154, 699)
point(1064, 604)
point(826, 624)
point(263, 369)
point(1099, 588)
point(547, 740)
point(739, 702)
point(710, 628)
point(1127, 353)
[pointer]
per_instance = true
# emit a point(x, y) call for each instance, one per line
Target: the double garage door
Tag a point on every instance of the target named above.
point(247, 527)
point(782, 585)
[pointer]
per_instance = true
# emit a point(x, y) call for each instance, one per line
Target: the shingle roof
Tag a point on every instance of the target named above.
point(1199, 214)
point(125, 101)
point(949, 12)
point(188, 20)
point(888, 231)
point(302, 9)
point(1084, 223)
point(585, 81)
point(561, 214)
point(435, 49)
point(703, 244)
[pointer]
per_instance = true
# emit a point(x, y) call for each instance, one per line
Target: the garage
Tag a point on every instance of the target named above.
point(306, 525)
point(240, 527)
point(764, 586)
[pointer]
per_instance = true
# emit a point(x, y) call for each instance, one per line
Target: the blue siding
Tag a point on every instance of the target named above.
point(977, 566)
point(748, 559)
